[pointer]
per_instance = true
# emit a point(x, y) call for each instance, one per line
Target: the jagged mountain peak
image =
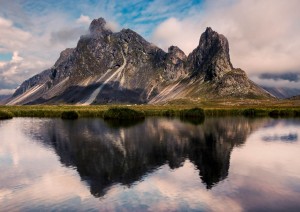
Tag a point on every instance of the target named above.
point(107, 67)
point(63, 56)
point(211, 58)
point(99, 27)
point(177, 52)
point(212, 40)
point(130, 36)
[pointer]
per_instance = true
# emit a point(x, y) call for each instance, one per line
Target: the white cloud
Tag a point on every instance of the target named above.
point(83, 19)
point(113, 26)
point(16, 58)
point(35, 47)
point(12, 37)
point(263, 35)
point(176, 32)
point(7, 91)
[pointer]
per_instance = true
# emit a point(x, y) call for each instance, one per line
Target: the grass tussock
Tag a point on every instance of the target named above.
point(71, 115)
point(5, 115)
point(195, 116)
point(123, 113)
point(169, 113)
point(255, 112)
point(192, 113)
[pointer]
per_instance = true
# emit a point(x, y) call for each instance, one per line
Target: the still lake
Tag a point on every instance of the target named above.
point(159, 164)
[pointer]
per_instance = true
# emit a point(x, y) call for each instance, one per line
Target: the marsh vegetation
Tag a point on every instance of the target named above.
point(218, 108)
point(5, 114)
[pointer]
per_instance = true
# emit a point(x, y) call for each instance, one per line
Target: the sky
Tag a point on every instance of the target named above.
point(264, 36)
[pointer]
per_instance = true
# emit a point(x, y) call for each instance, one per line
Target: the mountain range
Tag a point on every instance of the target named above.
point(122, 67)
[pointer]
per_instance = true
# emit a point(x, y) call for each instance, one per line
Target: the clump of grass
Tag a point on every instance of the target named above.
point(5, 115)
point(123, 113)
point(194, 116)
point(192, 113)
point(169, 113)
point(69, 115)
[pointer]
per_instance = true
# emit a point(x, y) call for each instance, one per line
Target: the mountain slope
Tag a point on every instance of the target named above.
point(294, 98)
point(4, 98)
point(123, 67)
point(283, 93)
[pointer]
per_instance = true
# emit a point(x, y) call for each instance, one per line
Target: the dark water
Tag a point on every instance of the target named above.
point(223, 164)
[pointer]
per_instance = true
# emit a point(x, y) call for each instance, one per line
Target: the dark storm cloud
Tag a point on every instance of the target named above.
point(292, 77)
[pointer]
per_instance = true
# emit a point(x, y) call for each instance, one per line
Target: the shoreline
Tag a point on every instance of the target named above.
point(272, 110)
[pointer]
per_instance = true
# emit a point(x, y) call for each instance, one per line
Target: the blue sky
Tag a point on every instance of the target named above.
point(139, 15)
point(263, 35)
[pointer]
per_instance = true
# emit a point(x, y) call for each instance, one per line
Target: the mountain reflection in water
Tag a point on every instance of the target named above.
point(105, 154)
point(159, 164)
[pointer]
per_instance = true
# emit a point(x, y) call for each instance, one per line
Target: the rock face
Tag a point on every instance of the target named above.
point(210, 59)
point(123, 67)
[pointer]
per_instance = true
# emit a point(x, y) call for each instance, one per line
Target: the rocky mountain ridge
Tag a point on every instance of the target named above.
point(123, 67)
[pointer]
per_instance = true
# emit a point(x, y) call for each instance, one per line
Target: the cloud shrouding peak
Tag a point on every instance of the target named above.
point(83, 19)
point(263, 35)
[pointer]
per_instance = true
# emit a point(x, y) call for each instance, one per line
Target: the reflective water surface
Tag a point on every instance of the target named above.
point(159, 164)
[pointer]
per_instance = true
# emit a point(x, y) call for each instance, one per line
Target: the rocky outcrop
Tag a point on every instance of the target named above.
point(123, 67)
point(210, 59)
